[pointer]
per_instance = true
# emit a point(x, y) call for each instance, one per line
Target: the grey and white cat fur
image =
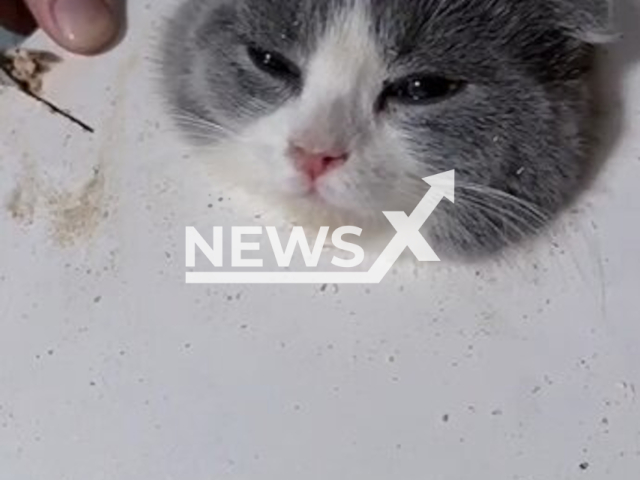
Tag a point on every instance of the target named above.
point(343, 106)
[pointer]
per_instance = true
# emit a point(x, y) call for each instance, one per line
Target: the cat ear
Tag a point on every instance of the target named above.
point(591, 21)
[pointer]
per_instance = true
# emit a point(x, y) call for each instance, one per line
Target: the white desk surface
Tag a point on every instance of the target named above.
point(112, 368)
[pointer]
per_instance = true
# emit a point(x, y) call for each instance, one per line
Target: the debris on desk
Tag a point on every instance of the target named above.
point(25, 69)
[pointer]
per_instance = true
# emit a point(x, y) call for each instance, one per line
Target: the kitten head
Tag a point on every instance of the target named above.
point(347, 104)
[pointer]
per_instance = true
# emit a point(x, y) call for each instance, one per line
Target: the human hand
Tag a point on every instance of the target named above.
point(80, 26)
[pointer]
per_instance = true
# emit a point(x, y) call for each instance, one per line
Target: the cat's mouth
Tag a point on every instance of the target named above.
point(312, 191)
point(318, 196)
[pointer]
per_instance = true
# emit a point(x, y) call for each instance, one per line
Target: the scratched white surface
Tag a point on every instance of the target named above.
point(112, 368)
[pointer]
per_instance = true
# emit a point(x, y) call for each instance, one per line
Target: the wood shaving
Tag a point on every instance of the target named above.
point(25, 69)
point(28, 67)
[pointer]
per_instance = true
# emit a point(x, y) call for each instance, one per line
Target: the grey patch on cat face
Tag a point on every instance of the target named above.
point(517, 135)
point(588, 20)
point(205, 67)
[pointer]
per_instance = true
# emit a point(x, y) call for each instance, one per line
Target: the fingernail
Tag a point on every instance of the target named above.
point(85, 25)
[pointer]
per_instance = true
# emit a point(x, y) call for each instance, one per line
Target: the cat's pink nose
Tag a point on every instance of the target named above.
point(316, 164)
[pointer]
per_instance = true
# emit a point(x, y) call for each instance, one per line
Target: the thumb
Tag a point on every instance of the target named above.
point(81, 26)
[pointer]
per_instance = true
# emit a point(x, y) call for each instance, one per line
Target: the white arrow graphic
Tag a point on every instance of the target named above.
point(407, 236)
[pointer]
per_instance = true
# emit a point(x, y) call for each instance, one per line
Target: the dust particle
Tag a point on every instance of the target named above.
point(21, 204)
point(78, 215)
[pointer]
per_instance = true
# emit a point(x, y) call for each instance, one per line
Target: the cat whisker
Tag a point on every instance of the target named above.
point(520, 225)
point(204, 124)
point(512, 211)
point(513, 201)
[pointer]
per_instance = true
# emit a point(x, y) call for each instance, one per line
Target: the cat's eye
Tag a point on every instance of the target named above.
point(421, 89)
point(274, 63)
